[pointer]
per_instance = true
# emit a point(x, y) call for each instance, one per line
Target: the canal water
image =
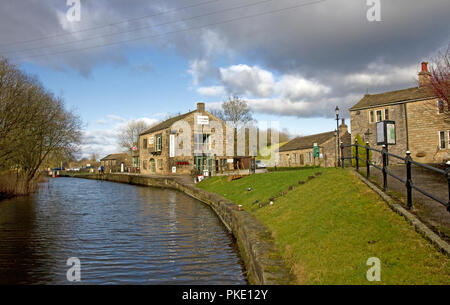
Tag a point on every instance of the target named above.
point(122, 234)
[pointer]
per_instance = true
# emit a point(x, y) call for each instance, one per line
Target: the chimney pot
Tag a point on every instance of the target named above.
point(424, 75)
point(201, 107)
point(343, 121)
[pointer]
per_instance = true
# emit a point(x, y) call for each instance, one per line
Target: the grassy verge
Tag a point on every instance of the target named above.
point(327, 228)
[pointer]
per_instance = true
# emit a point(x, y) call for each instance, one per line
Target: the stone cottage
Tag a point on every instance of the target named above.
point(194, 141)
point(299, 151)
point(113, 162)
point(420, 121)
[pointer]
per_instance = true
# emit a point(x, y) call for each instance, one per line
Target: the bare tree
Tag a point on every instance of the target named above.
point(235, 110)
point(440, 77)
point(129, 135)
point(34, 126)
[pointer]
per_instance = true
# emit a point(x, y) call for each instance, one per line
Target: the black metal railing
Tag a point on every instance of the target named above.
point(385, 155)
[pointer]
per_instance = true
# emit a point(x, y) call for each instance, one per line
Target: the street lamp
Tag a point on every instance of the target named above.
point(335, 150)
point(337, 132)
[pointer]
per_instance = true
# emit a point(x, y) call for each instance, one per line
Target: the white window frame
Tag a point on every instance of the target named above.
point(376, 115)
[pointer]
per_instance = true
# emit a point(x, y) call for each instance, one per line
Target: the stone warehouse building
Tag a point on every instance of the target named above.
point(420, 120)
point(116, 162)
point(299, 151)
point(196, 140)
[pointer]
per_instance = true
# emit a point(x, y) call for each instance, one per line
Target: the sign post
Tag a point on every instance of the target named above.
point(386, 134)
point(316, 153)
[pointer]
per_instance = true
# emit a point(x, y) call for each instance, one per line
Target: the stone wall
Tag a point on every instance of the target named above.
point(327, 149)
point(424, 124)
point(264, 264)
point(184, 163)
point(360, 123)
point(420, 120)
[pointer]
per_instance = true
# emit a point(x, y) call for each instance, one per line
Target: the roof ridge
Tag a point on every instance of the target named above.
point(393, 97)
point(157, 126)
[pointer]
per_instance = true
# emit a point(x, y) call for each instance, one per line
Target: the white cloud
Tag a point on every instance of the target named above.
point(104, 141)
point(379, 74)
point(243, 79)
point(198, 69)
point(294, 87)
point(116, 118)
point(102, 122)
point(211, 91)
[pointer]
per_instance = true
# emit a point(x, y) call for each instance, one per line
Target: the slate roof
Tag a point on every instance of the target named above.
point(115, 156)
point(392, 97)
point(167, 123)
point(306, 142)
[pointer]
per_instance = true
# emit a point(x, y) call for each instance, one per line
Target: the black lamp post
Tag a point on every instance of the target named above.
point(337, 132)
point(335, 148)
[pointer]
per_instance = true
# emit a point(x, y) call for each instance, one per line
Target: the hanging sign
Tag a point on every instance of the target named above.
point(316, 150)
point(202, 120)
point(386, 133)
point(390, 133)
point(172, 146)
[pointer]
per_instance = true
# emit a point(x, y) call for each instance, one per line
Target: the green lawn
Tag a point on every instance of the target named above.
point(327, 228)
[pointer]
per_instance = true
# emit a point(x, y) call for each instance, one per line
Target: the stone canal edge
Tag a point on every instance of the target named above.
point(263, 263)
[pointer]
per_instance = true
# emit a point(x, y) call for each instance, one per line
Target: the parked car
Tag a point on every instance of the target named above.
point(260, 164)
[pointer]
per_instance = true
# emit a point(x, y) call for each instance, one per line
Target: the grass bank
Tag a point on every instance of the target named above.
point(327, 228)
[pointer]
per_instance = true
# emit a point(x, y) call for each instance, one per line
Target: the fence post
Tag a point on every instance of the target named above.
point(356, 155)
point(342, 154)
point(384, 156)
point(367, 159)
point(447, 174)
point(408, 178)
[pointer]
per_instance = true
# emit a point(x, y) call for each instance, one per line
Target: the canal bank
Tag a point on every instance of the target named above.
point(263, 263)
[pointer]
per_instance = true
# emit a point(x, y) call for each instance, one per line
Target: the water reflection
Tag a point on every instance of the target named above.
point(122, 234)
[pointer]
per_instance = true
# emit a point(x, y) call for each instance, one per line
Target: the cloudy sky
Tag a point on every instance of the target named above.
point(292, 60)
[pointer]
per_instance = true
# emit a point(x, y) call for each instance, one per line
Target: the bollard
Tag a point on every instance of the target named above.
point(447, 174)
point(408, 179)
point(367, 159)
point(342, 154)
point(356, 155)
point(384, 157)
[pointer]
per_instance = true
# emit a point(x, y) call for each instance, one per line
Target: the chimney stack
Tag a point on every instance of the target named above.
point(201, 107)
point(424, 75)
point(343, 128)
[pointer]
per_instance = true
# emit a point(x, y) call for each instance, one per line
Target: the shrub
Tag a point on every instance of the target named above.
point(361, 152)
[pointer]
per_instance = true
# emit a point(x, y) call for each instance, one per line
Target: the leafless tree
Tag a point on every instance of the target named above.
point(34, 125)
point(440, 77)
point(235, 110)
point(129, 135)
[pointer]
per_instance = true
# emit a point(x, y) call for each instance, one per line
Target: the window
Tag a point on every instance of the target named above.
point(442, 140)
point(379, 116)
point(440, 106)
point(309, 157)
point(386, 114)
point(294, 157)
point(160, 166)
point(144, 164)
point(371, 117)
point(202, 142)
point(158, 142)
point(144, 144)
